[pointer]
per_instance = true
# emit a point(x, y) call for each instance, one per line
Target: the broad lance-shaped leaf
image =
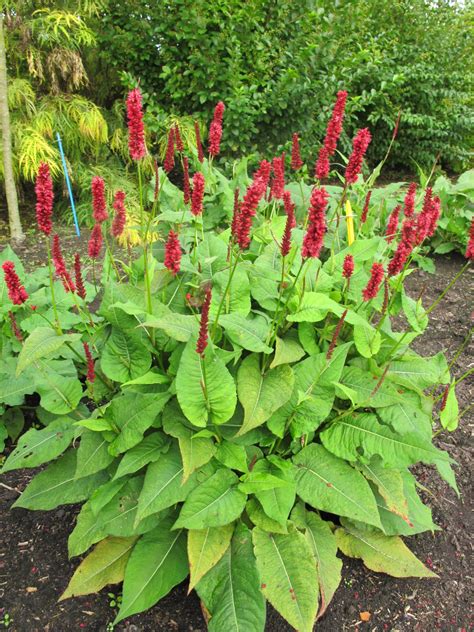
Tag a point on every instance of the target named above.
point(367, 340)
point(124, 356)
point(43, 342)
point(248, 333)
point(330, 484)
point(13, 389)
point(103, 566)
point(261, 395)
point(449, 416)
point(59, 395)
point(177, 326)
point(36, 447)
point(207, 395)
point(380, 553)
point(287, 351)
point(231, 589)
point(389, 483)
point(158, 563)
point(205, 549)
point(147, 451)
point(93, 454)
point(288, 575)
point(322, 540)
point(213, 503)
point(360, 437)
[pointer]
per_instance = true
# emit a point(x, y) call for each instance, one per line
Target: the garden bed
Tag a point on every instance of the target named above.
point(34, 569)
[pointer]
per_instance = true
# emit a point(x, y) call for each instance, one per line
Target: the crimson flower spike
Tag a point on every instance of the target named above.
point(169, 157)
point(470, 245)
point(335, 335)
point(44, 199)
point(95, 242)
point(90, 364)
point(120, 218)
point(178, 139)
point(16, 330)
point(321, 170)
point(313, 240)
point(215, 130)
point(365, 210)
point(409, 201)
point(334, 127)
point(234, 228)
point(136, 129)
point(204, 325)
point(99, 205)
point(359, 147)
point(290, 222)
point(289, 206)
point(372, 288)
point(348, 267)
point(392, 225)
point(248, 207)
point(186, 183)
point(197, 194)
point(80, 288)
point(199, 148)
point(172, 259)
point(16, 292)
point(60, 266)
point(278, 182)
point(296, 162)
point(404, 248)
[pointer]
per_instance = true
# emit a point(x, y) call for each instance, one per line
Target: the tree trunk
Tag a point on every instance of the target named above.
point(16, 230)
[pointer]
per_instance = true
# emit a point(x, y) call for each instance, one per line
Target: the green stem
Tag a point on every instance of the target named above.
point(454, 384)
point(223, 299)
point(448, 287)
point(57, 324)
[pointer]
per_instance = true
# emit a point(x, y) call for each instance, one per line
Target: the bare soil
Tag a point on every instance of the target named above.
point(34, 568)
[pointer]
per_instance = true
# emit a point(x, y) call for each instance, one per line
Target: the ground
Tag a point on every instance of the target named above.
point(34, 568)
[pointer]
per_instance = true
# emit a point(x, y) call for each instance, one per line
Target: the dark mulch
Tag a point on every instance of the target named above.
point(34, 568)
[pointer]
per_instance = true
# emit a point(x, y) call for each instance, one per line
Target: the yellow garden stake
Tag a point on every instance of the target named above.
point(349, 223)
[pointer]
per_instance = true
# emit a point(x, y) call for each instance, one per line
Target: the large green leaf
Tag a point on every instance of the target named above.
point(248, 333)
point(104, 565)
point(262, 394)
point(177, 326)
point(93, 454)
point(124, 356)
point(449, 416)
point(14, 389)
point(322, 541)
point(380, 553)
point(41, 343)
point(59, 394)
point(36, 447)
point(205, 388)
point(367, 341)
point(287, 351)
point(361, 436)
point(288, 575)
point(214, 503)
point(330, 484)
point(419, 372)
point(389, 483)
point(238, 295)
point(57, 485)
point(205, 549)
point(231, 589)
point(158, 563)
point(195, 451)
point(147, 451)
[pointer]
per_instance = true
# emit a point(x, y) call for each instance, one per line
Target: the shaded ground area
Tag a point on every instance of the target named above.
point(34, 568)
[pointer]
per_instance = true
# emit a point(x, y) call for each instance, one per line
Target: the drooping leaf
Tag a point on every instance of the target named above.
point(287, 351)
point(205, 549)
point(288, 575)
point(147, 451)
point(389, 483)
point(177, 326)
point(330, 484)
point(248, 333)
point(14, 389)
point(124, 356)
point(260, 519)
point(93, 454)
point(367, 340)
point(449, 416)
point(41, 343)
point(232, 455)
point(59, 394)
point(195, 451)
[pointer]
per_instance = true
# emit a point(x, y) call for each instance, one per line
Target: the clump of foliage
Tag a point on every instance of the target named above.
point(239, 407)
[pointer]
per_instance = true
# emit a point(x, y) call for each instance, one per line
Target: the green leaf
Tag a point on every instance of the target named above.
point(180, 327)
point(380, 553)
point(260, 519)
point(330, 484)
point(249, 333)
point(148, 451)
point(213, 503)
point(59, 394)
point(212, 398)
point(367, 341)
point(238, 294)
point(449, 416)
point(231, 589)
point(104, 565)
point(14, 389)
point(389, 483)
point(361, 436)
point(232, 456)
point(93, 454)
point(158, 563)
point(261, 395)
point(195, 451)
point(288, 575)
point(40, 446)
point(57, 485)
point(41, 343)
point(205, 549)
point(277, 500)
point(152, 377)
point(287, 351)
point(131, 415)
point(322, 541)
point(124, 356)
point(419, 372)
point(307, 337)
point(414, 312)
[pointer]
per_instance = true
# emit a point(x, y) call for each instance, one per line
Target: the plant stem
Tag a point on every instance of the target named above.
point(448, 287)
point(222, 301)
point(57, 324)
point(454, 384)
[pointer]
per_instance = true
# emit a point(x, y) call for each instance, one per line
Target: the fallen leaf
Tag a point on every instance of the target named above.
point(364, 616)
point(31, 589)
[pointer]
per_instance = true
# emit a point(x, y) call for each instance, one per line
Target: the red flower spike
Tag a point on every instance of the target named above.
point(321, 170)
point(348, 267)
point(296, 162)
point(200, 151)
point(44, 199)
point(172, 253)
point(90, 364)
point(392, 225)
point(423, 218)
point(313, 240)
point(156, 190)
point(290, 222)
point(434, 216)
point(16, 330)
point(197, 194)
point(372, 288)
point(136, 129)
point(380, 381)
point(252, 197)
point(409, 201)
point(120, 217)
point(334, 127)
point(215, 130)
point(234, 228)
point(365, 210)
point(335, 335)
point(397, 123)
point(278, 182)
point(359, 147)
point(178, 139)
point(204, 326)
point(470, 246)
point(186, 184)
point(80, 289)
point(169, 157)
point(95, 242)
point(99, 204)
point(60, 266)
point(289, 207)
point(404, 248)
point(445, 398)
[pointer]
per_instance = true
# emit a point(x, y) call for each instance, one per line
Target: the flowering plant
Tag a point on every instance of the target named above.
point(240, 405)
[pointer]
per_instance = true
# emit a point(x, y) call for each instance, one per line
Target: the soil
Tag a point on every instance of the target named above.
point(34, 568)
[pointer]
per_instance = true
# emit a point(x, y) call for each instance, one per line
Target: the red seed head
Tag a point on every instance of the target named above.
point(359, 147)
point(278, 182)
point(296, 162)
point(321, 170)
point(392, 225)
point(186, 183)
point(172, 253)
point(204, 325)
point(313, 240)
point(215, 130)
point(348, 266)
point(16, 292)
point(372, 287)
point(95, 242)
point(80, 289)
point(136, 129)
point(197, 194)
point(60, 266)
point(334, 128)
point(365, 210)
point(470, 245)
point(99, 204)
point(44, 199)
point(200, 151)
point(120, 217)
point(169, 157)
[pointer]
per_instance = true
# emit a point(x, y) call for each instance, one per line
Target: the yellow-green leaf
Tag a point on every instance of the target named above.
point(205, 549)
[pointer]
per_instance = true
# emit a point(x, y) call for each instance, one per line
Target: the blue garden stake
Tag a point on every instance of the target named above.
point(68, 183)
